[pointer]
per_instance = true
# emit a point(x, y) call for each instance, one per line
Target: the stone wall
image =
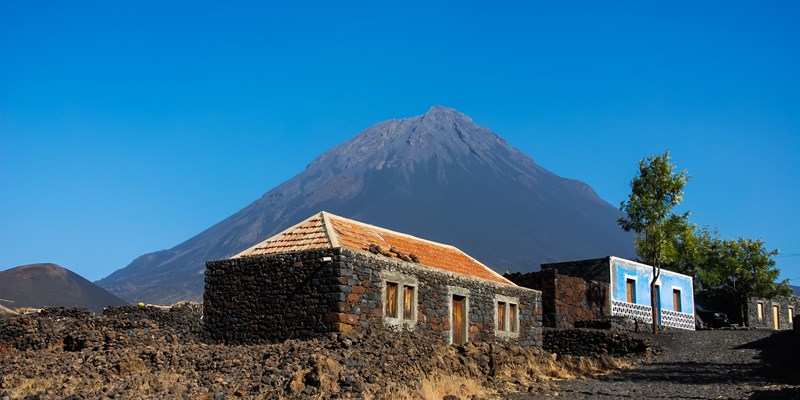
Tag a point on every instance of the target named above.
point(269, 298)
point(185, 318)
point(578, 299)
point(256, 299)
point(595, 342)
point(767, 321)
point(76, 329)
point(568, 298)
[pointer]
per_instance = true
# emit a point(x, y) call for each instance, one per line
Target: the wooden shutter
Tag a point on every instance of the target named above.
point(459, 319)
point(676, 300)
point(408, 302)
point(391, 299)
point(630, 290)
point(501, 316)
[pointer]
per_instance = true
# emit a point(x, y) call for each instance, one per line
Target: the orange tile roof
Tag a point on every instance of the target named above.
point(325, 231)
point(307, 235)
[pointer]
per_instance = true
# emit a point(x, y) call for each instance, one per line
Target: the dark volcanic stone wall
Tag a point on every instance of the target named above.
point(433, 314)
point(76, 329)
point(269, 298)
point(783, 304)
point(577, 299)
point(571, 291)
point(594, 342)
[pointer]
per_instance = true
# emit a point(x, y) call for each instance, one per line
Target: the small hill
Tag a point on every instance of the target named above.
point(50, 285)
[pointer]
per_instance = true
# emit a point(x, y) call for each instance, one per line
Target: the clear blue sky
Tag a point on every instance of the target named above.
point(128, 127)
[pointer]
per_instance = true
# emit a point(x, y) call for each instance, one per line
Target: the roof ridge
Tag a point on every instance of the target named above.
point(330, 233)
point(261, 243)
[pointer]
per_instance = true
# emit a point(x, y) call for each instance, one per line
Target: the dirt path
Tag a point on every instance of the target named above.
point(703, 365)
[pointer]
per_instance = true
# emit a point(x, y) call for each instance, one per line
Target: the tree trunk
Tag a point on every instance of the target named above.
point(742, 302)
point(654, 298)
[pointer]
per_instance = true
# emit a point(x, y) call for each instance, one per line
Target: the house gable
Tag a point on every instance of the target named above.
point(328, 231)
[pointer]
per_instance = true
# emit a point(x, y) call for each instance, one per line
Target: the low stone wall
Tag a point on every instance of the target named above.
point(76, 329)
point(595, 342)
point(616, 323)
point(301, 295)
point(186, 319)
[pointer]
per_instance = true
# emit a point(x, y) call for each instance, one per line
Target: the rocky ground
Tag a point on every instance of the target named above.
point(151, 352)
point(132, 353)
point(720, 364)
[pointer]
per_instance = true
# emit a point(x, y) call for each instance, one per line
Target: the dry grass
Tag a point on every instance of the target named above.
point(29, 386)
point(436, 386)
point(531, 372)
point(571, 367)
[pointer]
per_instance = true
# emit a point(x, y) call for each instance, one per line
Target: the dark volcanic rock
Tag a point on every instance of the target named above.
point(437, 176)
point(596, 342)
point(154, 352)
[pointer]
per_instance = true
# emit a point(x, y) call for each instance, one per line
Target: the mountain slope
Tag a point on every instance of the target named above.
point(438, 176)
point(49, 285)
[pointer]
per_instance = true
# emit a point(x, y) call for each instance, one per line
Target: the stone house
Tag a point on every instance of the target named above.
point(609, 286)
point(775, 313)
point(333, 274)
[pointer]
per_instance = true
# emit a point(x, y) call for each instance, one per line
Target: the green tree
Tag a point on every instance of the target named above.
point(743, 268)
point(695, 249)
point(655, 191)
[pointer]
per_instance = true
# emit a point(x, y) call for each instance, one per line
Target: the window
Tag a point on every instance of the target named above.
point(506, 316)
point(501, 316)
point(400, 300)
point(776, 317)
point(630, 290)
point(791, 316)
point(760, 310)
point(408, 303)
point(676, 300)
point(391, 299)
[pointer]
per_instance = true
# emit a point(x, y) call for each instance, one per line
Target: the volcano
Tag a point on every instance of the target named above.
point(437, 176)
point(50, 285)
